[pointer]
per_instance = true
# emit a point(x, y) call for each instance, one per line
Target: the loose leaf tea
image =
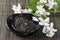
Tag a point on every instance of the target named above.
point(23, 25)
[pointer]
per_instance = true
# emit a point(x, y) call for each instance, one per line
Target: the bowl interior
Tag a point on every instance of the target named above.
point(22, 24)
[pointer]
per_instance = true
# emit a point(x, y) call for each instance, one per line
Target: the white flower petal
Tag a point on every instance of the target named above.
point(54, 30)
point(47, 20)
point(48, 28)
point(51, 24)
point(29, 10)
point(45, 30)
point(17, 12)
point(43, 1)
point(37, 12)
point(41, 19)
point(40, 23)
point(19, 6)
point(55, 3)
point(14, 6)
point(46, 24)
point(50, 34)
point(25, 11)
point(47, 13)
point(50, 7)
point(38, 2)
point(34, 19)
point(39, 7)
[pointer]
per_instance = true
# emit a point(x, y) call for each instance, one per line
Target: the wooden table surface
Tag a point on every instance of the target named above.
point(5, 34)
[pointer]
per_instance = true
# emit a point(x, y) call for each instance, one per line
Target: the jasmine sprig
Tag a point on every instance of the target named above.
point(16, 9)
point(41, 14)
point(51, 30)
point(45, 21)
point(51, 4)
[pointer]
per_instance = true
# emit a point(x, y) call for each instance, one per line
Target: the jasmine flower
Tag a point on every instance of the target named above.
point(51, 4)
point(42, 11)
point(51, 30)
point(26, 10)
point(44, 22)
point(45, 30)
point(17, 9)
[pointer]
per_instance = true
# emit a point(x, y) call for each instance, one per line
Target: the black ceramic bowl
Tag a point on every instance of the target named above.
point(22, 24)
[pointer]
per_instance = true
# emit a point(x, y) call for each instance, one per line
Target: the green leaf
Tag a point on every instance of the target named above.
point(39, 15)
point(32, 4)
point(44, 16)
